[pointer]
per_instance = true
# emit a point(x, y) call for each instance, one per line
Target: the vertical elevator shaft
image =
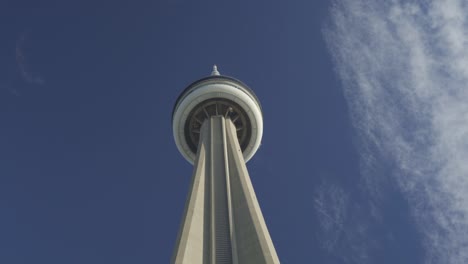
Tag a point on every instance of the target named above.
point(219, 179)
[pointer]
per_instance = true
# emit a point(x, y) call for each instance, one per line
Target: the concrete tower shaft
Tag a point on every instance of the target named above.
point(218, 126)
point(223, 223)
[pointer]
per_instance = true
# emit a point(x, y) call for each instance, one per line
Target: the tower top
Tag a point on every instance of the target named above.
point(215, 71)
point(217, 95)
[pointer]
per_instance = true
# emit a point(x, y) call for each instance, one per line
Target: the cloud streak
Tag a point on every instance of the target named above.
point(331, 203)
point(404, 69)
point(21, 61)
point(342, 232)
point(10, 89)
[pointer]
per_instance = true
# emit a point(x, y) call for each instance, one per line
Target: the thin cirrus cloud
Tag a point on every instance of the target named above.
point(341, 230)
point(10, 89)
point(404, 70)
point(22, 64)
point(27, 76)
point(331, 203)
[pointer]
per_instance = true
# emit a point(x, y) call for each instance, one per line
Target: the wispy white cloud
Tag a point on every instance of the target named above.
point(10, 89)
point(404, 69)
point(340, 233)
point(26, 74)
point(331, 205)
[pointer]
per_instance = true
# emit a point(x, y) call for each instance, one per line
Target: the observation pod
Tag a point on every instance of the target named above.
point(212, 96)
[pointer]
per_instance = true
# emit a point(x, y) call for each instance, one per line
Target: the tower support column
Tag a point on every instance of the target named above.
point(222, 221)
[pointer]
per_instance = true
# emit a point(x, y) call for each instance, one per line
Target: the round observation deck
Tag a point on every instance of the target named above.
point(212, 96)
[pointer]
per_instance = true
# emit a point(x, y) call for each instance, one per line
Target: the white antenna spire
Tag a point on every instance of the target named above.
point(215, 70)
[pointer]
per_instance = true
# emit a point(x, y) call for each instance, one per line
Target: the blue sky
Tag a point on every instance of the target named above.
point(363, 158)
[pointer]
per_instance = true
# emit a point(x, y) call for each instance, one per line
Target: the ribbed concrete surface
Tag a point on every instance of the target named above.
point(222, 221)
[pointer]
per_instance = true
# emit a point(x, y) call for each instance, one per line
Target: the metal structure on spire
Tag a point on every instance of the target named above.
point(215, 70)
point(218, 126)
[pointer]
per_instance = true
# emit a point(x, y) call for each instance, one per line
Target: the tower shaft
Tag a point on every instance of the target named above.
point(222, 221)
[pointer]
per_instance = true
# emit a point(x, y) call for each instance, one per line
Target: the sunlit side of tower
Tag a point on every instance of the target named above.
point(218, 126)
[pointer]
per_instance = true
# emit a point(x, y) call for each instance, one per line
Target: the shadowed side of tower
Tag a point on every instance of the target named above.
point(218, 126)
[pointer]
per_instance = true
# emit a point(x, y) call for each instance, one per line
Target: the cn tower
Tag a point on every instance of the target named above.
point(217, 123)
